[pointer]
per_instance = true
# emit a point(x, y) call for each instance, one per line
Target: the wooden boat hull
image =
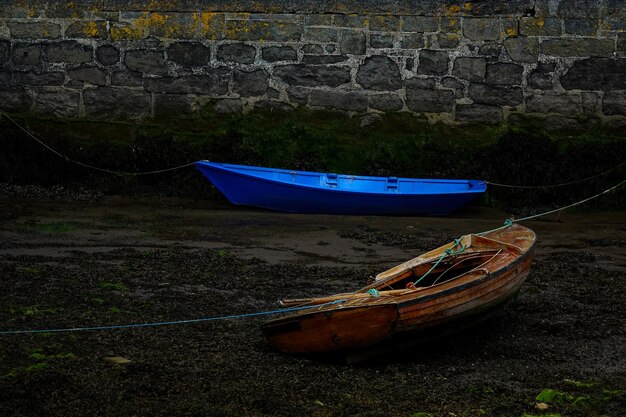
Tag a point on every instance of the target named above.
point(315, 192)
point(362, 321)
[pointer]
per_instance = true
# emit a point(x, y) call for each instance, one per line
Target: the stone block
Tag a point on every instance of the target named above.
point(321, 34)
point(432, 62)
point(552, 103)
point(127, 78)
point(471, 69)
point(318, 20)
point(541, 80)
point(621, 42)
point(191, 54)
point(88, 29)
point(454, 84)
point(578, 47)
point(614, 103)
point(419, 24)
point(579, 9)
point(89, 75)
point(26, 54)
point(481, 29)
point(339, 100)
point(280, 53)
point(589, 102)
point(540, 26)
point(385, 102)
point(412, 41)
point(5, 51)
point(381, 40)
point(215, 83)
point(350, 21)
point(127, 32)
point(14, 99)
point(312, 49)
point(107, 55)
point(504, 73)
point(323, 59)
point(298, 95)
point(478, 113)
point(352, 42)
point(70, 52)
point(273, 94)
point(409, 64)
point(116, 103)
point(493, 49)
point(420, 83)
point(57, 103)
point(268, 31)
point(228, 105)
point(379, 72)
point(312, 75)
point(40, 78)
point(385, 23)
point(448, 40)
point(173, 25)
point(236, 52)
point(171, 105)
point(584, 27)
point(429, 101)
point(146, 61)
point(34, 30)
point(273, 105)
point(596, 74)
point(250, 84)
point(496, 95)
point(450, 24)
point(522, 49)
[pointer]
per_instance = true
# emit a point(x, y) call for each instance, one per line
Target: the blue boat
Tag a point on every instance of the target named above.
point(316, 192)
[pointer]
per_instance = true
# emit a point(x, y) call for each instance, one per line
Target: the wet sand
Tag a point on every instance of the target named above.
point(117, 260)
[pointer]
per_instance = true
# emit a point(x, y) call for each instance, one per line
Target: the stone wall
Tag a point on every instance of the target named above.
point(451, 61)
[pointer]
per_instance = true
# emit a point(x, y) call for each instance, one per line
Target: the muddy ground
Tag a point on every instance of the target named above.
point(98, 260)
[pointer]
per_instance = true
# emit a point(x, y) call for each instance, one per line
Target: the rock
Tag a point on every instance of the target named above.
point(412, 41)
point(419, 24)
point(57, 103)
point(379, 73)
point(472, 69)
point(542, 77)
point(323, 35)
point(250, 84)
point(614, 103)
point(477, 29)
point(448, 40)
point(116, 103)
point(89, 29)
point(478, 113)
point(347, 101)
point(168, 105)
point(385, 102)
point(127, 78)
point(552, 103)
point(596, 74)
point(273, 105)
point(578, 47)
point(541, 406)
point(26, 54)
point(490, 49)
point(70, 52)
point(14, 99)
point(40, 78)
point(420, 83)
point(589, 102)
point(215, 83)
point(190, 54)
point(228, 105)
point(273, 94)
point(323, 59)
point(429, 101)
point(236, 52)
point(457, 86)
point(146, 61)
point(90, 75)
point(108, 55)
point(116, 360)
point(352, 42)
point(370, 119)
point(312, 75)
point(312, 49)
point(504, 73)
point(5, 51)
point(281, 53)
point(498, 95)
point(583, 27)
point(381, 40)
point(298, 95)
point(34, 30)
point(432, 62)
point(522, 49)
point(543, 26)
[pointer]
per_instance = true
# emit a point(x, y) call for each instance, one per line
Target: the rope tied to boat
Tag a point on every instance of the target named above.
point(374, 292)
point(448, 252)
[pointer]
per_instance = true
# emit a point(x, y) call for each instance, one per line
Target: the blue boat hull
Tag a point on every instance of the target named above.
point(314, 192)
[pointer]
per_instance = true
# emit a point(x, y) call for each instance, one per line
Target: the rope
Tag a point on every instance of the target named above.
point(167, 323)
point(557, 185)
point(108, 171)
point(447, 252)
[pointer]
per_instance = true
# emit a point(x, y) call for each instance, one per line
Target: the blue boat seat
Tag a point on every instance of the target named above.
point(332, 180)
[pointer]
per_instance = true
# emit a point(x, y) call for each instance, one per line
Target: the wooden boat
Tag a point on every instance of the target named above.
point(455, 283)
point(316, 192)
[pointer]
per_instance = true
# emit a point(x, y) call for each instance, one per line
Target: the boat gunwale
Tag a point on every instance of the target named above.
point(478, 186)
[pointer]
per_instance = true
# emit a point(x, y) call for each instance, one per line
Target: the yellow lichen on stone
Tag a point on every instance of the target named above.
point(511, 32)
point(468, 6)
point(91, 29)
point(454, 9)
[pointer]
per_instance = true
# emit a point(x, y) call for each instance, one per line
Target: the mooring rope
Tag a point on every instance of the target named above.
point(84, 165)
point(496, 184)
point(169, 323)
